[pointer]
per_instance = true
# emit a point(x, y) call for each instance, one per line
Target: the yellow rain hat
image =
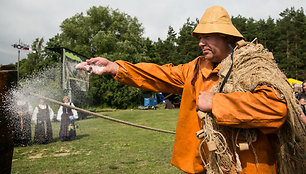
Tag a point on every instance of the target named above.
point(216, 20)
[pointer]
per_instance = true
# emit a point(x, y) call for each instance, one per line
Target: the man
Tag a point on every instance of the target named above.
point(304, 87)
point(263, 108)
point(302, 100)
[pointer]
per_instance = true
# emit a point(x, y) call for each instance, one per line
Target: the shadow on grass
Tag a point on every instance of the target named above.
point(76, 138)
point(54, 140)
point(81, 136)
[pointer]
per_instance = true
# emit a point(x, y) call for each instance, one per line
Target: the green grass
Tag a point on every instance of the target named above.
point(103, 146)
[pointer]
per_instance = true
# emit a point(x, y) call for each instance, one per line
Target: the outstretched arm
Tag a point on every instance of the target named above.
point(99, 66)
point(149, 76)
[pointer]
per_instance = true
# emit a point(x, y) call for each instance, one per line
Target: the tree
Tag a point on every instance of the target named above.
point(114, 35)
point(187, 46)
point(34, 61)
point(52, 57)
point(167, 50)
point(285, 38)
point(290, 50)
point(108, 33)
point(240, 23)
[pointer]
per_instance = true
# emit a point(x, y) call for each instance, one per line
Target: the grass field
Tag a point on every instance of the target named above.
point(103, 146)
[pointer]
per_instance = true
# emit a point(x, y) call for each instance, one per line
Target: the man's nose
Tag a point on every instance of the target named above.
point(202, 42)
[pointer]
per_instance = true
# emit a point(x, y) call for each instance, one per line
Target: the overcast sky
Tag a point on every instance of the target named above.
point(29, 19)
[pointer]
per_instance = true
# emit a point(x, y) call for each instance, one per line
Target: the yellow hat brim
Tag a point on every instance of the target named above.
point(226, 28)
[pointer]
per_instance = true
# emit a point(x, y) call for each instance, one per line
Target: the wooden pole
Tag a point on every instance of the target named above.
point(18, 65)
point(100, 115)
point(8, 79)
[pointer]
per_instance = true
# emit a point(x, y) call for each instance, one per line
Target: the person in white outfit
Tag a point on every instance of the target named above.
point(67, 118)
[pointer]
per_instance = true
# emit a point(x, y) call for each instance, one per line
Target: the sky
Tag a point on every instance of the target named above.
point(27, 20)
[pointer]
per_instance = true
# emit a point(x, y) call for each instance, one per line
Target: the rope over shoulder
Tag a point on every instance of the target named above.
point(253, 65)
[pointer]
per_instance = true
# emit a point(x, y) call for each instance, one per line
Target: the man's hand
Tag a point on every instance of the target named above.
point(99, 66)
point(205, 101)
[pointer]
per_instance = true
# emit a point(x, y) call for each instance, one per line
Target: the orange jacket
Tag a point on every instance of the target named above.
point(260, 109)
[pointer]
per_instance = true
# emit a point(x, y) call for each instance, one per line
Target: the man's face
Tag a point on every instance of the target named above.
point(214, 47)
point(304, 87)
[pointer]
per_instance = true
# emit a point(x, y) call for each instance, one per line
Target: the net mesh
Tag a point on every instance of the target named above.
point(253, 66)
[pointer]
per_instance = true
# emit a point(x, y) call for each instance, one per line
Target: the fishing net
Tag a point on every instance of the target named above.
point(252, 65)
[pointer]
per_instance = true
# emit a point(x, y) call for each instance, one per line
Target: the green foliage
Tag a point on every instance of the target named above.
point(285, 37)
point(111, 34)
point(291, 51)
point(108, 33)
point(187, 46)
point(35, 60)
point(167, 50)
point(178, 48)
point(102, 31)
point(107, 92)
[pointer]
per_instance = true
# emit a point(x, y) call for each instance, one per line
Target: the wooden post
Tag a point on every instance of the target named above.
point(8, 79)
point(18, 65)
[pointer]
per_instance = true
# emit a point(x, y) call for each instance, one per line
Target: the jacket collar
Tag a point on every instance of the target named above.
point(208, 68)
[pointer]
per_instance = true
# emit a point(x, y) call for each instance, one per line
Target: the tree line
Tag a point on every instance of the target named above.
point(109, 33)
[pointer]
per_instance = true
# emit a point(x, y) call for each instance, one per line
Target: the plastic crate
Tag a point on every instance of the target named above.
point(150, 101)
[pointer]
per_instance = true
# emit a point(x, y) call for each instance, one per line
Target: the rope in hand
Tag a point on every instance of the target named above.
point(221, 159)
point(100, 115)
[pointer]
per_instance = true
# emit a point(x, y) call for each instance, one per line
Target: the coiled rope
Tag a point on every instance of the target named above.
point(100, 115)
point(220, 159)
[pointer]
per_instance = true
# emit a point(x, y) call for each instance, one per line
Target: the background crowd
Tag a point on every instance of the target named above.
point(301, 96)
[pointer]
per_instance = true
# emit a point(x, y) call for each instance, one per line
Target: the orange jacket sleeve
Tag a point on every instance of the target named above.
point(149, 76)
point(258, 109)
